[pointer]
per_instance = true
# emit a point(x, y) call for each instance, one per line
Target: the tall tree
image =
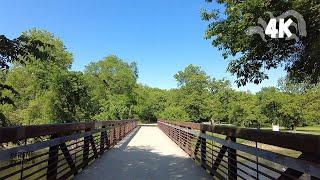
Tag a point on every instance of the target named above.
point(112, 82)
point(33, 79)
point(250, 55)
point(151, 102)
point(21, 50)
point(270, 101)
point(194, 89)
point(74, 103)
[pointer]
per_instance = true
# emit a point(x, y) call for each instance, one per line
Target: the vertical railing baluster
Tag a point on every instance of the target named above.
point(102, 140)
point(190, 143)
point(232, 161)
point(22, 161)
point(53, 160)
point(203, 149)
point(114, 142)
point(86, 144)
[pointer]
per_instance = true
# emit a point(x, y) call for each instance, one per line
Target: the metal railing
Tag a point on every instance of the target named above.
point(230, 152)
point(56, 151)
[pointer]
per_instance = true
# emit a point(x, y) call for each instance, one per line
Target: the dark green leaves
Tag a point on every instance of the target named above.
point(250, 56)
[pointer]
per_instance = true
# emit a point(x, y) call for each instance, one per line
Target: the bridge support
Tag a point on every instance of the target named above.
point(53, 160)
point(232, 161)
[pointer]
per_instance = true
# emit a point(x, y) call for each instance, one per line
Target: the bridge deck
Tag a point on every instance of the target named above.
point(146, 153)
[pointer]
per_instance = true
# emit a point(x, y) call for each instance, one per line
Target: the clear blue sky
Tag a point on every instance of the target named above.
point(162, 36)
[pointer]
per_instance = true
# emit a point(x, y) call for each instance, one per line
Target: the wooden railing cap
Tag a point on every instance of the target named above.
point(307, 143)
point(15, 133)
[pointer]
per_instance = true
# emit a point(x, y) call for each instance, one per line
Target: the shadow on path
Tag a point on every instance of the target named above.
point(143, 161)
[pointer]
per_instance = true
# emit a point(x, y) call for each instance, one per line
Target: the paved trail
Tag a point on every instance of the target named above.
point(144, 154)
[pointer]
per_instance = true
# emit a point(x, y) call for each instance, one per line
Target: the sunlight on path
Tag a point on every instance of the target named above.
point(145, 154)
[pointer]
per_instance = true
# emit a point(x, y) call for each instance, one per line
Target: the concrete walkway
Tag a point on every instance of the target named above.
point(146, 153)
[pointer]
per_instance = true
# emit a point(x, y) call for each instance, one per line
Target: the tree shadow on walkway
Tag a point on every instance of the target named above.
point(142, 162)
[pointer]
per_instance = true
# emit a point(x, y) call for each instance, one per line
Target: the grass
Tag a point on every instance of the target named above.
point(306, 130)
point(309, 129)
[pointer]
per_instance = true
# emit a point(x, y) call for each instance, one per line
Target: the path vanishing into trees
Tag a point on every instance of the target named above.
point(146, 153)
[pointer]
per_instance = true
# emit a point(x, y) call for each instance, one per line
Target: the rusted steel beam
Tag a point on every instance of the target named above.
point(114, 141)
point(68, 158)
point(57, 141)
point(307, 143)
point(8, 153)
point(218, 160)
point(93, 146)
point(53, 161)
point(103, 136)
point(232, 161)
point(85, 153)
point(305, 166)
point(203, 148)
point(297, 174)
point(107, 141)
point(78, 167)
point(11, 134)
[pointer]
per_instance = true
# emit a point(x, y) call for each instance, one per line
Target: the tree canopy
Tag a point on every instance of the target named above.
point(46, 91)
point(250, 57)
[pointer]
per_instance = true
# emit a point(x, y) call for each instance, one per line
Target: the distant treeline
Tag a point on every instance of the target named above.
point(47, 91)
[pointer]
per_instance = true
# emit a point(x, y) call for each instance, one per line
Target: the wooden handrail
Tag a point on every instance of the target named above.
point(307, 143)
point(15, 133)
point(63, 149)
point(210, 150)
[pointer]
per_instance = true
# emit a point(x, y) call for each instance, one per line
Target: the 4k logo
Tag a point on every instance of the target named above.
point(271, 30)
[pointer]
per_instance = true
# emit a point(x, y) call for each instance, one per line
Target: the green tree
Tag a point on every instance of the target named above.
point(21, 49)
point(33, 80)
point(194, 91)
point(270, 101)
point(291, 110)
point(221, 93)
point(243, 109)
point(311, 106)
point(174, 113)
point(112, 82)
point(74, 103)
point(250, 56)
point(151, 102)
point(288, 86)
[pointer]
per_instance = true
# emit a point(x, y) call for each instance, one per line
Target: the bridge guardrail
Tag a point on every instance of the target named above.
point(57, 151)
point(216, 148)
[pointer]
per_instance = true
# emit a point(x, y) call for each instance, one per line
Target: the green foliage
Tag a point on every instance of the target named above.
point(194, 92)
point(250, 56)
point(46, 91)
point(33, 80)
point(270, 101)
point(150, 102)
point(74, 102)
point(311, 107)
point(175, 113)
point(244, 110)
point(112, 82)
point(22, 49)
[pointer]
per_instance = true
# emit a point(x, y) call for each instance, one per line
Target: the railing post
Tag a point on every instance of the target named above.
point(68, 158)
point(189, 139)
point(203, 148)
point(120, 131)
point(114, 142)
point(53, 160)
point(85, 154)
point(111, 135)
point(103, 135)
point(232, 161)
point(107, 140)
